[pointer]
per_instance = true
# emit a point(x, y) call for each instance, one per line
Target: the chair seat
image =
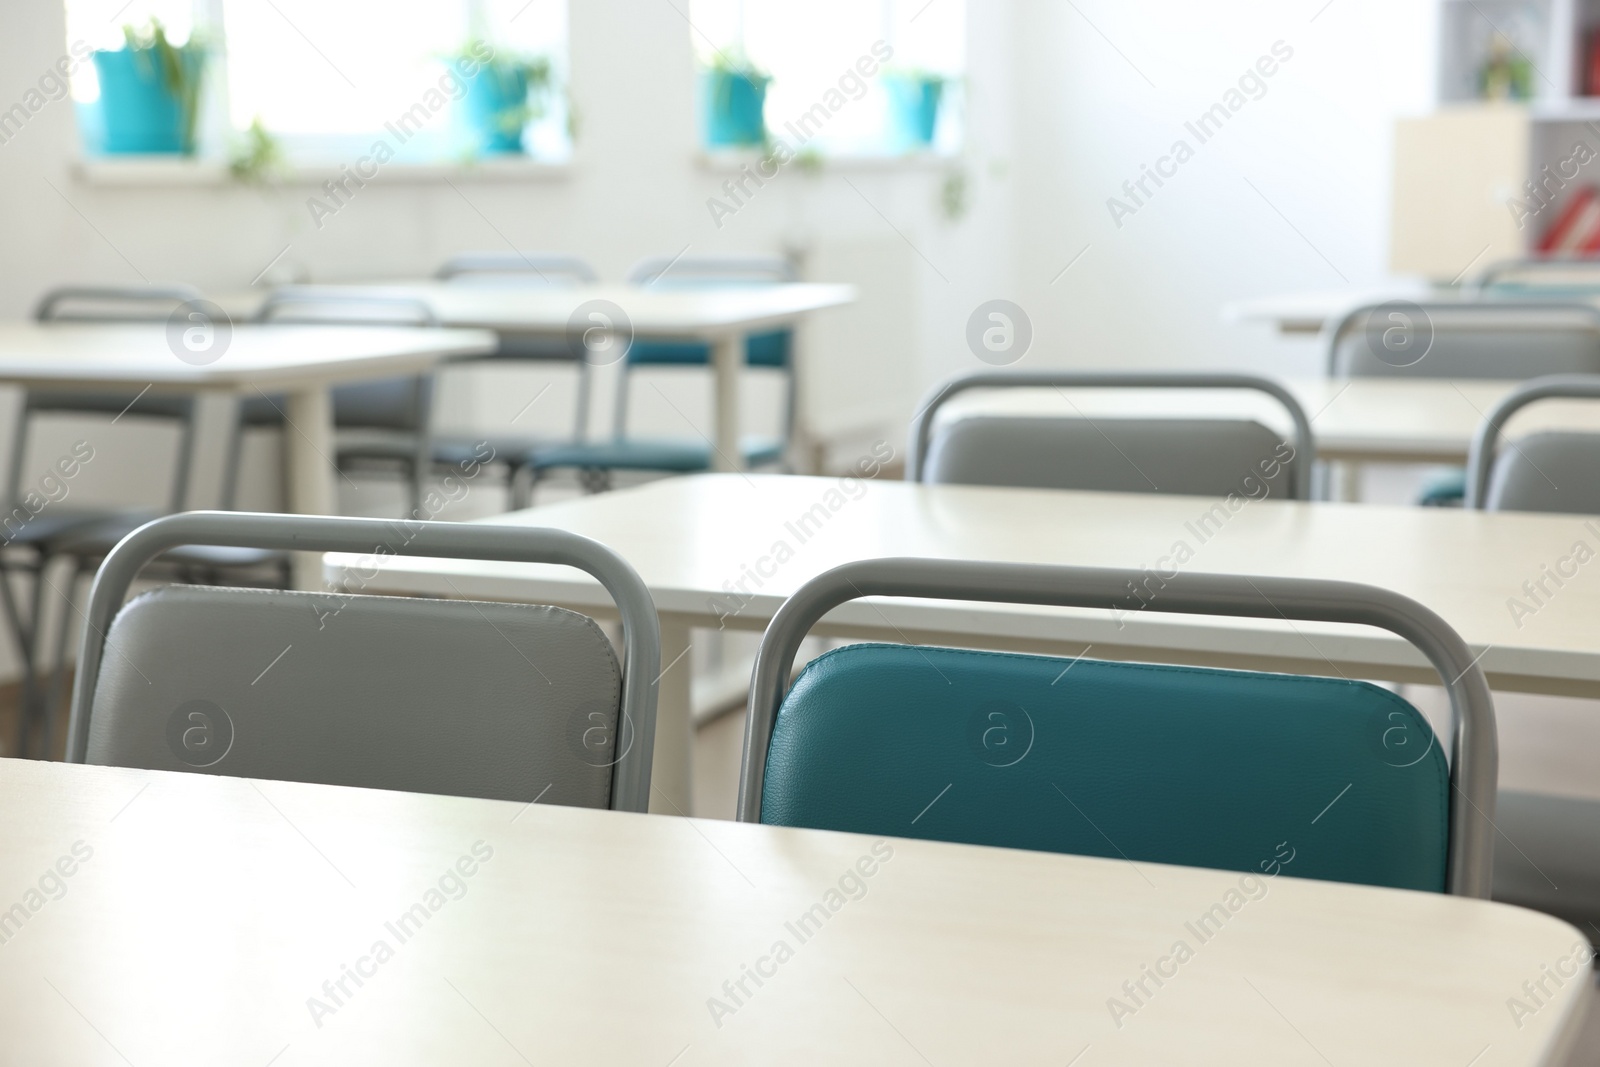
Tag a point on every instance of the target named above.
point(396, 445)
point(507, 448)
point(51, 527)
point(643, 454)
point(1445, 490)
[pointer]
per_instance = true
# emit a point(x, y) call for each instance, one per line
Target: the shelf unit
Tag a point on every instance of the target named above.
point(1477, 180)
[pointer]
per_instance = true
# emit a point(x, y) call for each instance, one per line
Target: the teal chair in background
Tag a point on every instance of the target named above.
point(1181, 765)
point(771, 350)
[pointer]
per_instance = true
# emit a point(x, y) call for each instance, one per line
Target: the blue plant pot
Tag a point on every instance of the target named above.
point(914, 108)
point(494, 109)
point(734, 105)
point(138, 112)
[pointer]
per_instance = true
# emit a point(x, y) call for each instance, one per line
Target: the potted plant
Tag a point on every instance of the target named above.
point(914, 99)
point(504, 94)
point(150, 92)
point(733, 100)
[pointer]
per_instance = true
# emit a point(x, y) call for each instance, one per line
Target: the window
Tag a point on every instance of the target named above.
point(326, 79)
point(816, 52)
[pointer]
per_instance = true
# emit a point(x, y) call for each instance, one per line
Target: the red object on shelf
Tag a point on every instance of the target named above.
point(1578, 222)
point(1591, 81)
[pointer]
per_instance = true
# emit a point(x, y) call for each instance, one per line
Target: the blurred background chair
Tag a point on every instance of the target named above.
point(380, 424)
point(1494, 339)
point(768, 351)
point(81, 535)
point(1328, 778)
point(1202, 457)
point(508, 701)
point(512, 270)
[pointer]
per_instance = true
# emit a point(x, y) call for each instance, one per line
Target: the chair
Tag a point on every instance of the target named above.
point(1495, 339)
point(380, 423)
point(1556, 865)
point(1137, 761)
point(82, 535)
point(505, 701)
point(1541, 277)
point(1204, 457)
point(769, 350)
point(1557, 471)
point(519, 270)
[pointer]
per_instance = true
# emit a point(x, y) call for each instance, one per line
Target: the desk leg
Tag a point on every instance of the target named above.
point(1346, 477)
point(308, 470)
point(673, 769)
point(727, 358)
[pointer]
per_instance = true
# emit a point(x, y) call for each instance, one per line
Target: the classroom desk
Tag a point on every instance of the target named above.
point(721, 317)
point(1308, 312)
point(302, 361)
point(694, 540)
point(203, 916)
point(1378, 420)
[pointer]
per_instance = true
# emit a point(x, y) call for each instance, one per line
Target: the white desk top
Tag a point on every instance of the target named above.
point(692, 538)
point(75, 354)
point(546, 310)
point(204, 914)
point(1425, 420)
point(1308, 312)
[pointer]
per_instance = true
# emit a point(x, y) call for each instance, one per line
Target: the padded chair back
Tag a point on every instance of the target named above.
point(1211, 768)
point(1555, 471)
point(1202, 457)
point(517, 268)
point(512, 702)
point(1508, 339)
point(384, 404)
point(110, 304)
point(769, 349)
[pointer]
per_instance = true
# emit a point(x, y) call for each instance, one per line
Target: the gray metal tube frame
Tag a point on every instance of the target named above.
point(570, 269)
point(1481, 456)
point(1334, 333)
point(641, 632)
point(1475, 752)
point(45, 310)
point(922, 423)
point(289, 295)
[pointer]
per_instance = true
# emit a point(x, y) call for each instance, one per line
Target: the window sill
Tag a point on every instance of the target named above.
point(165, 171)
point(733, 160)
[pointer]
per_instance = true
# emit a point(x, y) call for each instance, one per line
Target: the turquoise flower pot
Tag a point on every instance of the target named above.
point(914, 108)
point(139, 113)
point(495, 108)
point(734, 103)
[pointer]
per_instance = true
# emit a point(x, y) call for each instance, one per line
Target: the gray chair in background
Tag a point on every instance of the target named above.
point(383, 424)
point(82, 535)
point(767, 350)
point(1553, 470)
point(506, 701)
point(1545, 277)
point(1499, 339)
point(1555, 866)
point(503, 270)
point(1201, 457)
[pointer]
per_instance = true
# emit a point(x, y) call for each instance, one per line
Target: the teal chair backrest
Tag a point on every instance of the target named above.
point(771, 348)
point(1206, 768)
point(1266, 773)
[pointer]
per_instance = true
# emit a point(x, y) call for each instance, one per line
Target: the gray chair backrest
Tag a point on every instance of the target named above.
point(508, 701)
point(524, 268)
point(1507, 339)
point(384, 404)
point(1548, 471)
point(1475, 754)
point(112, 303)
point(1202, 457)
point(711, 270)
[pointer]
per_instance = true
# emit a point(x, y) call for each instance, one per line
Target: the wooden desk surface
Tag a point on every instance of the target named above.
point(696, 540)
point(210, 920)
point(77, 354)
point(513, 309)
